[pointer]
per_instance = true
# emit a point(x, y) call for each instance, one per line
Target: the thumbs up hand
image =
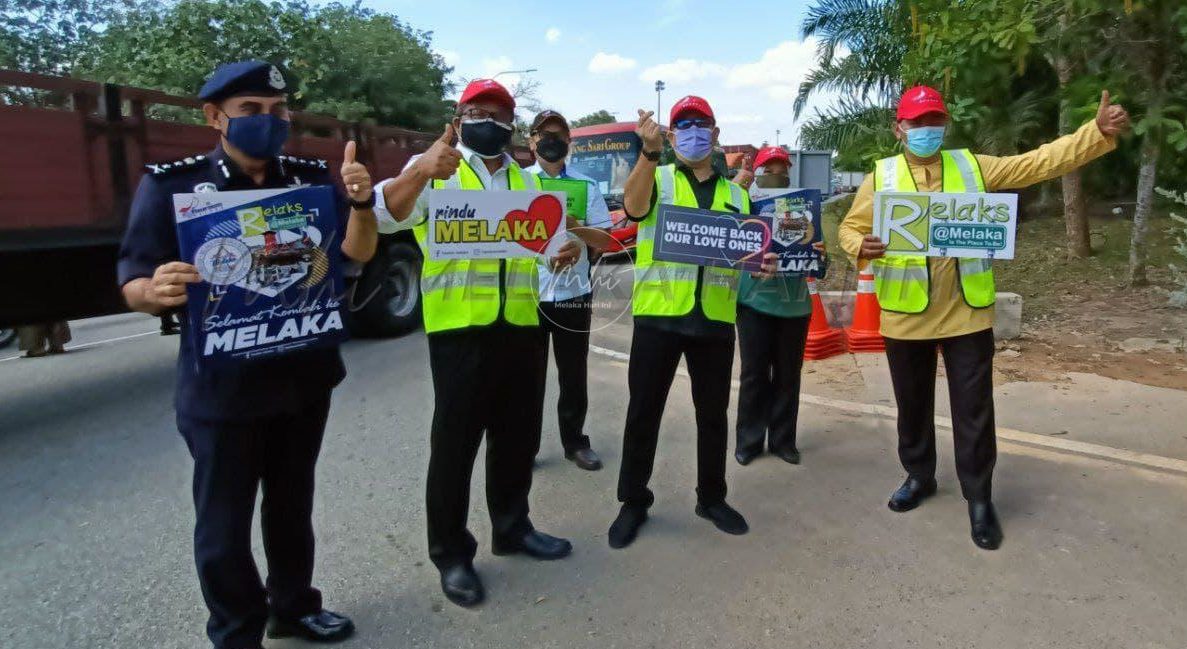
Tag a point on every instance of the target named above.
point(441, 160)
point(355, 175)
point(745, 176)
point(1111, 119)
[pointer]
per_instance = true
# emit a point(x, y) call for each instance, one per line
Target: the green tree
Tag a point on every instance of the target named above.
point(1151, 39)
point(593, 119)
point(41, 36)
point(345, 60)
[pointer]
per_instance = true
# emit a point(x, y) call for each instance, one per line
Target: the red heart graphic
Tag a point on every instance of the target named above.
point(766, 241)
point(545, 208)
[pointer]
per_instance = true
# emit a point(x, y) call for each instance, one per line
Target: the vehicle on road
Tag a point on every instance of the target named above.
point(6, 337)
point(74, 154)
point(607, 153)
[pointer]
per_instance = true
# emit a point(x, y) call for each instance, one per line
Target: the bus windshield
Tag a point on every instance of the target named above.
point(606, 153)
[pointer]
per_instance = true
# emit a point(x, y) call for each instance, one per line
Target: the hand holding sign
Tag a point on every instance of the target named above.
point(166, 289)
point(355, 175)
point(568, 255)
point(1111, 119)
point(441, 160)
point(871, 247)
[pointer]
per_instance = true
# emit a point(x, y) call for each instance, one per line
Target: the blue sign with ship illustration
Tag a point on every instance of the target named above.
point(271, 270)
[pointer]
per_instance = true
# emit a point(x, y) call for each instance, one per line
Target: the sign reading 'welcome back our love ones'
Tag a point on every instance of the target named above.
point(492, 225)
point(947, 225)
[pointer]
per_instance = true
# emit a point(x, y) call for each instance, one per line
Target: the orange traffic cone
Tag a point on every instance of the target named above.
point(823, 340)
point(864, 335)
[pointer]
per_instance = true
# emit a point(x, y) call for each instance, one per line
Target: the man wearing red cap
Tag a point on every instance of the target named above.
point(772, 332)
point(487, 356)
point(680, 310)
point(947, 304)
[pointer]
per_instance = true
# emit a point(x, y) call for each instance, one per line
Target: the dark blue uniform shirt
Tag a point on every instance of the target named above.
point(258, 388)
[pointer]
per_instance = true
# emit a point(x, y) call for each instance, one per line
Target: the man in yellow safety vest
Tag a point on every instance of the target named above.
point(486, 349)
point(680, 310)
point(947, 303)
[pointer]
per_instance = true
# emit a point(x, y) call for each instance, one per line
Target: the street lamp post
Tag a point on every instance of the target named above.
point(659, 88)
point(777, 132)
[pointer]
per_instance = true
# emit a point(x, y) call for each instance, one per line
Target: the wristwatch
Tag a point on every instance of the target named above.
point(651, 155)
point(363, 205)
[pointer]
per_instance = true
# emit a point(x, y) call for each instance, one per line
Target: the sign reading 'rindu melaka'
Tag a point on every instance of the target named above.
point(492, 225)
point(946, 225)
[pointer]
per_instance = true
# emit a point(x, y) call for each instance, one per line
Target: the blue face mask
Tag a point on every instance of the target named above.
point(259, 136)
point(694, 143)
point(924, 141)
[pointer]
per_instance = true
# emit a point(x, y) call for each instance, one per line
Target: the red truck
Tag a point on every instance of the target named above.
point(68, 175)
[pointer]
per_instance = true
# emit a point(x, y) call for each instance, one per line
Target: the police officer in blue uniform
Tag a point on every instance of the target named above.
point(257, 425)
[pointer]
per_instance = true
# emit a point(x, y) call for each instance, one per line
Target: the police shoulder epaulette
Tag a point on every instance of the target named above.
point(164, 168)
point(310, 163)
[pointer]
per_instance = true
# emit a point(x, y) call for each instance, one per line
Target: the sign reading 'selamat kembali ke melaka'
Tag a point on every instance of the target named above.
point(946, 225)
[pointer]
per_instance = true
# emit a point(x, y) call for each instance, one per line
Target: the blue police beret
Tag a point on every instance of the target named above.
point(243, 77)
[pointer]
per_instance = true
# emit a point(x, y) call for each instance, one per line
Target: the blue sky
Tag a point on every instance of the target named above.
point(746, 58)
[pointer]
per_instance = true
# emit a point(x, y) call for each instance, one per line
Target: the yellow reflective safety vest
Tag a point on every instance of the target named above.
point(664, 288)
point(461, 293)
point(903, 283)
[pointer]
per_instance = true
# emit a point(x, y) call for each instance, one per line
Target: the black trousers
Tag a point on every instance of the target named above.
point(567, 323)
point(968, 362)
point(231, 461)
point(772, 350)
point(485, 381)
point(655, 355)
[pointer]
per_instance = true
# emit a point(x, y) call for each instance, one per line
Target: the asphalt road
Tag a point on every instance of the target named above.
point(96, 524)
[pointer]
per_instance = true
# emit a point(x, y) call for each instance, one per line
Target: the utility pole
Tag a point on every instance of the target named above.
point(659, 88)
point(777, 132)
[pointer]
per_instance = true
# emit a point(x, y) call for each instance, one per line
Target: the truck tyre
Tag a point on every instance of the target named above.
point(387, 296)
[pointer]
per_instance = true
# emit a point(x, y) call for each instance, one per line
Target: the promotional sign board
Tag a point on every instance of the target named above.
point(576, 194)
point(707, 238)
point(947, 225)
point(270, 266)
point(492, 225)
point(795, 215)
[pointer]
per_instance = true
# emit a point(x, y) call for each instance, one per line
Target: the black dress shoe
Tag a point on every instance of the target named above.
point(726, 518)
point(585, 458)
point(745, 456)
point(911, 493)
point(790, 455)
point(985, 528)
point(624, 528)
point(323, 626)
point(462, 586)
point(537, 545)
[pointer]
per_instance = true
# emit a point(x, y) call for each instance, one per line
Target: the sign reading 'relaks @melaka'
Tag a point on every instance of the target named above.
point(947, 225)
point(492, 225)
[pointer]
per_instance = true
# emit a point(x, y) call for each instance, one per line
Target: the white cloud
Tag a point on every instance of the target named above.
point(683, 71)
point(552, 35)
point(740, 119)
point(450, 57)
point(603, 63)
point(491, 67)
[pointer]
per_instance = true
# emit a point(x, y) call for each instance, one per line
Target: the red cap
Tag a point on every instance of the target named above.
point(690, 104)
point(920, 100)
point(488, 89)
point(769, 153)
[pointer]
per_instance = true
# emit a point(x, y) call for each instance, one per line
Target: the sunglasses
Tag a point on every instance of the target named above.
point(699, 122)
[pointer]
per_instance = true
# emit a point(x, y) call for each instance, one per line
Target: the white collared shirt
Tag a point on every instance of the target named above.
point(571, 282)
point(496, 181)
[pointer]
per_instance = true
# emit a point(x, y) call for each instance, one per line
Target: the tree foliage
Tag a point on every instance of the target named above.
point(344, 60)
point(597, 117)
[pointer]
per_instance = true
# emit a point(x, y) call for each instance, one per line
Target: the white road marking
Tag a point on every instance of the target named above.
point(1098, 451)
point(94, 343)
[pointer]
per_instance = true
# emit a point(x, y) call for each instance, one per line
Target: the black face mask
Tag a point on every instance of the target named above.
point(774, 181)
point(552, 148)
point(486, 137)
